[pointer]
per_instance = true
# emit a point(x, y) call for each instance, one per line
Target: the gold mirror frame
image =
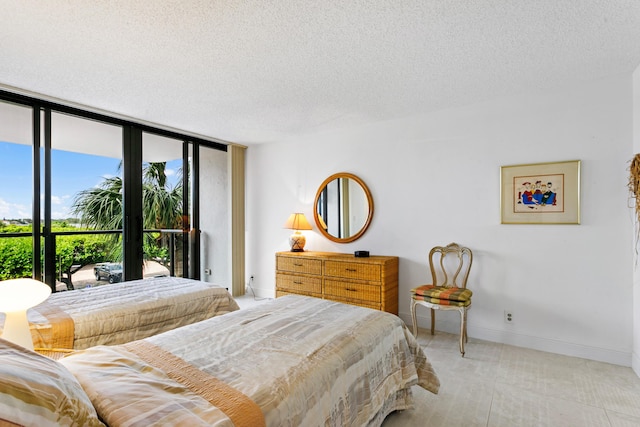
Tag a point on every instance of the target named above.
point(320, 223)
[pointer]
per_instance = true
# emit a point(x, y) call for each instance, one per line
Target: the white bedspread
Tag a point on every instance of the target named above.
point(126, 311)
point(303, 361)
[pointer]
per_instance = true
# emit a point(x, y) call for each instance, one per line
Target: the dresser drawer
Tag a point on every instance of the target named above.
point(298, 284)
point(359, 291)
point(304, 294)
point(352, 270)
point(359, 303)
point(299, 265)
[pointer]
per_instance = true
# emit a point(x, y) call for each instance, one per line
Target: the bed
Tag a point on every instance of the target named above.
point(123, 312)
point(295, 361)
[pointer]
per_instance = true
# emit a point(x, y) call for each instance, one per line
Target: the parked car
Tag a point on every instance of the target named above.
point(112, 271)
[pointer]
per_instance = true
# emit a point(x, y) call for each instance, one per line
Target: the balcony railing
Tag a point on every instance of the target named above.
point(55, 272)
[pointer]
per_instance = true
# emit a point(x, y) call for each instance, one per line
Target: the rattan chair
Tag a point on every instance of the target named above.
point(450, 266)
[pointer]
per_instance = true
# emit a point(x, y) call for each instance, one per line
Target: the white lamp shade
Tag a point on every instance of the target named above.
point(16, 296)
point(21, 294)
point(297, 221)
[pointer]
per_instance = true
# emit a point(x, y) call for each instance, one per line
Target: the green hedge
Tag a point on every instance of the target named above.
point(16, 253)
point(16, 258)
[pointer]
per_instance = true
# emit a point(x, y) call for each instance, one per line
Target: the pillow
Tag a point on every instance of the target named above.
point(38, 391)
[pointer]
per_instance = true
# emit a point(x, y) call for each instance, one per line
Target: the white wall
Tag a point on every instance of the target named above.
point(435, 179)
point(636, 276)
point(214, 217)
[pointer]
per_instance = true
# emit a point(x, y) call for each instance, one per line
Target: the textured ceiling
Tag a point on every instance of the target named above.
point(251, 71)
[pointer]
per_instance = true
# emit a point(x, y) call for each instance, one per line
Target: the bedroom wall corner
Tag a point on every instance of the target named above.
point(636, 271)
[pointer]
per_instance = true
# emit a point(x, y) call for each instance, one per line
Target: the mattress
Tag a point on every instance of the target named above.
point(300, 361)
point(125, 311)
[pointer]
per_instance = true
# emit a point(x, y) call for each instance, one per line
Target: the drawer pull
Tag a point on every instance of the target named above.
point(350, 289)
point(298, 265)
point(351, 269)
point(297, 283)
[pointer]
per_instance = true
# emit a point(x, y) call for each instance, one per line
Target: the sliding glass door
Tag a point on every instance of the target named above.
point(88, 200)
point(16, 190)
point(83, 211)
point(165, 206)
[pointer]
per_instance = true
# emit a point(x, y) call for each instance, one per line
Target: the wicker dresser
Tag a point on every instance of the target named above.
point(368, 282)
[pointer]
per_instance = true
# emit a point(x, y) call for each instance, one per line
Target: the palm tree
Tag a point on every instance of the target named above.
point(100, 208)
point(161, 204)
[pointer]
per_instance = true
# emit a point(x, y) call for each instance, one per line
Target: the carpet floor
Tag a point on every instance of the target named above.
point(500, 385)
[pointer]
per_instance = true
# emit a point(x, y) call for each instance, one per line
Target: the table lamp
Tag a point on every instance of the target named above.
point(297, 221)
point(16, 297)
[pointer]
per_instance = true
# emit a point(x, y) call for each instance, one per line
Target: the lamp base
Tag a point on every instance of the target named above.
point(297, 242)
point(16, 329)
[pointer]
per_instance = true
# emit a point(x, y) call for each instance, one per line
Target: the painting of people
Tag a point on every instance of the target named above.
point(540, 193)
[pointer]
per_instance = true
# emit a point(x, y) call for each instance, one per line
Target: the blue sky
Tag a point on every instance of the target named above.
point(71, 173)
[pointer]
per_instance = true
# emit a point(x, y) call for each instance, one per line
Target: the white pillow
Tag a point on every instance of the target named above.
point(38, 391)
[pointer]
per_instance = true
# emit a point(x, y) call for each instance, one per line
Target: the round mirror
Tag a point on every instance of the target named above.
point(343, 207)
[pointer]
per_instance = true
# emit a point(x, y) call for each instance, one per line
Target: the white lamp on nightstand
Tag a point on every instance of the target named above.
point(16, 297)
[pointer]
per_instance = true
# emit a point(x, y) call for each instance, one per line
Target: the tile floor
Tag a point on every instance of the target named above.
point(497, 385)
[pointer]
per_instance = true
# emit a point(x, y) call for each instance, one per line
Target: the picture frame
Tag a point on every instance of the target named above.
point(540, 193)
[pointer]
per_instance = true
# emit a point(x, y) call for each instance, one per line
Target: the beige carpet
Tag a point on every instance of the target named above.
point(501, 385)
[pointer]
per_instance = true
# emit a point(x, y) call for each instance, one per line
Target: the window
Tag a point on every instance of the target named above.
point(16, 178)
point(165, 206)
point(88, 191)
point(85, 197)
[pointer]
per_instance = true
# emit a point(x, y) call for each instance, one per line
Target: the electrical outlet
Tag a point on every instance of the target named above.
point(508, 316)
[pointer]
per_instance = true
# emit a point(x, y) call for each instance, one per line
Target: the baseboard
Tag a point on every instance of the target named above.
point(635, 363)
point(536, 343)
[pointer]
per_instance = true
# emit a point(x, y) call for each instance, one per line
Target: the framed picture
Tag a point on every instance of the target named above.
point(540, 193)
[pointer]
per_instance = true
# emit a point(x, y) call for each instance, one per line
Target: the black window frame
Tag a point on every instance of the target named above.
point(132, 167)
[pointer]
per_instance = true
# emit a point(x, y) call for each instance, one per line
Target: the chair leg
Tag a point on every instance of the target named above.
point(433, 321)
point(463, 329)
point(466, 336)
point(413, 318)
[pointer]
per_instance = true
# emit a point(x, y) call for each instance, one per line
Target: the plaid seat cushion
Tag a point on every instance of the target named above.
point(442, 301)
point(443, 293)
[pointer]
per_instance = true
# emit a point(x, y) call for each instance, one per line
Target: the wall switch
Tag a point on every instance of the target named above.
point(207, 271)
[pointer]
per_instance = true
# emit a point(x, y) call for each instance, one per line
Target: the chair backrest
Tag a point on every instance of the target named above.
point(450, 265)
